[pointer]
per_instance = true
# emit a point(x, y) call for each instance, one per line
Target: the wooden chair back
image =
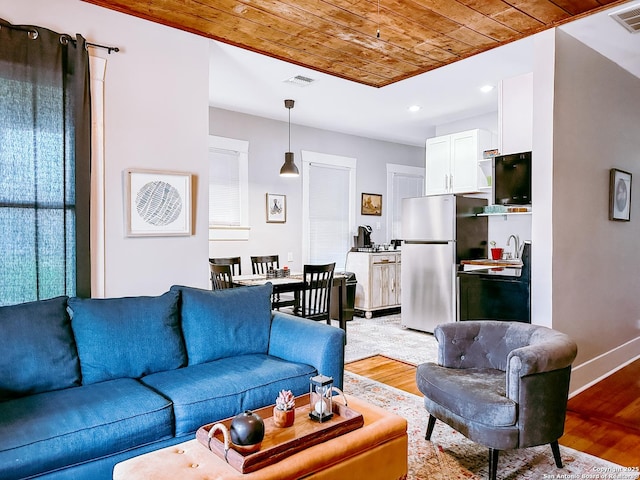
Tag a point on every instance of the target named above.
point(260, 265)
point(316, 297)
point(236, 268)
point(221, 276)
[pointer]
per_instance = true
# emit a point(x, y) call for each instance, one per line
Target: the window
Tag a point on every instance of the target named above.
point(44, 165)
point(228, 189)
point(402, 182)
point(328, 207)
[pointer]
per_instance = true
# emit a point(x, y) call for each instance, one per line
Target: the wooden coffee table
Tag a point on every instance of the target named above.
point(377, 450)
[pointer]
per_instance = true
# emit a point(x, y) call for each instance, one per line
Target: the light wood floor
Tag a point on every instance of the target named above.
point(603, 420)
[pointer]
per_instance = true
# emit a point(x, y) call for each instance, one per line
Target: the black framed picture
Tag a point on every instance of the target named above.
point(619, 195)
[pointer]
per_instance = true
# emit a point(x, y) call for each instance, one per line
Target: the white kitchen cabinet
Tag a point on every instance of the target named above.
point(452, 162)
point(378, 280)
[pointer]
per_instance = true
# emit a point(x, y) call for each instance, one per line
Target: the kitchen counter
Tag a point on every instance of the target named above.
point(505, 268)
point(378, 280)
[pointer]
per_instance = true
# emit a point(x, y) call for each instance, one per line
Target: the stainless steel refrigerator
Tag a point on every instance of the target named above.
point(438, 232)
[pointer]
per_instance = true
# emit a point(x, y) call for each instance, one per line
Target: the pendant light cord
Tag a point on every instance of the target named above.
point(378, 32)
point(289, 129)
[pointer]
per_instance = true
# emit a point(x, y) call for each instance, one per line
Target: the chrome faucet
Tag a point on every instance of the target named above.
point(516, 246)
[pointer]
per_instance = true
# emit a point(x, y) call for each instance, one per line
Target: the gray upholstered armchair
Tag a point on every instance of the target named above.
point(501, 384)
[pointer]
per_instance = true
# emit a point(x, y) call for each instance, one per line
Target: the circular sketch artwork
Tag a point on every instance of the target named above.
point(621, 195)
point(158, 203)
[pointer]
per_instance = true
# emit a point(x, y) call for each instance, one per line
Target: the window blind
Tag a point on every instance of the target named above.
point(224, 188)
point(329, 214)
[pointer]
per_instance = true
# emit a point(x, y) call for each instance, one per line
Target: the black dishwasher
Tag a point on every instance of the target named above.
point(496, 294)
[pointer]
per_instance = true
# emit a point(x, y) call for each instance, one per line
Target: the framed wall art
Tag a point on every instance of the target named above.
point(619, 195)
point(371, 204)
point(157, 203)
point(276, 208)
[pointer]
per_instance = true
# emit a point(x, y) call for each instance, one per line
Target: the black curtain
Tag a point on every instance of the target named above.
point(45, 154)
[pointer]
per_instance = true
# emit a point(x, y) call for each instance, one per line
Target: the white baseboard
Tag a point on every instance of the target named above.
point(592, 371)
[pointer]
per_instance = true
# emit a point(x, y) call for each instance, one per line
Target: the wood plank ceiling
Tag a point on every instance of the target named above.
point(373, 42)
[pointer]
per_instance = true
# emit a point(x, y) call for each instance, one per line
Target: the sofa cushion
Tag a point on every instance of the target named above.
point(481, 396)
point(50, 430)
point(38, 352)
point(127, 337)
point(225, 323)
point(212, 391)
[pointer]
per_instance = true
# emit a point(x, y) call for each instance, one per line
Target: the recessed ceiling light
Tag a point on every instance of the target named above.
point(414, 108)
point(486, 88)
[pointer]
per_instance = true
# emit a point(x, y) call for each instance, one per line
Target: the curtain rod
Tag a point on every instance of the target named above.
point(106, 47)
point(33, 31)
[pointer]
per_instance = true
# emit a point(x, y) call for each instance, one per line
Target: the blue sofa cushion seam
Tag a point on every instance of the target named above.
point(261, 386)
point(95, 426)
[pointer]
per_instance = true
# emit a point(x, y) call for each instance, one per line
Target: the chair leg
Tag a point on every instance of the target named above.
point(493, 463)
point(556, 454)
point(430, 425)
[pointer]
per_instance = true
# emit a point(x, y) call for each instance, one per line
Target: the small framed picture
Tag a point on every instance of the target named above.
point(276, 208)
point(371, 204)
point(157, 203)
point(619, 195)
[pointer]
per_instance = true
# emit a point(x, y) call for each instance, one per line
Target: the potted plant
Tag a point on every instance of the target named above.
point(284, 413)
point(496, 253)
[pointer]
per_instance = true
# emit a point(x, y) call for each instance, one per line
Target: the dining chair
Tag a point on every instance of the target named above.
point(236, 268)
point(316, 296)
point(260, 265)
point(221, 276)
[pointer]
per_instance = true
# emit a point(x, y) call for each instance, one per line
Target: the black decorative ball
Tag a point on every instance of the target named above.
point(247, 428)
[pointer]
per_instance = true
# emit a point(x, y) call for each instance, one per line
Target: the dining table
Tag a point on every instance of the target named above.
point(294, 283)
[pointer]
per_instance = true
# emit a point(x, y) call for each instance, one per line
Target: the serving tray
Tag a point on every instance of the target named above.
point(280, 443)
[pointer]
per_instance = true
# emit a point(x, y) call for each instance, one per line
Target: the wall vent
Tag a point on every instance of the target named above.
point(300, 80)
point(629, 18)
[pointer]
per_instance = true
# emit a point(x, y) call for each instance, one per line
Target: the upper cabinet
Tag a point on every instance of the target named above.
point(515, 117)
point(452, 162)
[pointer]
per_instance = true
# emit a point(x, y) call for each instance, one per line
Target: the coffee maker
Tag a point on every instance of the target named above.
point(363, 239)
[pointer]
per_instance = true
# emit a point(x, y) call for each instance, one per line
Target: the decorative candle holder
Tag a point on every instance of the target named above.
point(320, 398)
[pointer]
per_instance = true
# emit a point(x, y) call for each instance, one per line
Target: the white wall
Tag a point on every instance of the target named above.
point(156, 117)
point(596, 262)
point(268, 140)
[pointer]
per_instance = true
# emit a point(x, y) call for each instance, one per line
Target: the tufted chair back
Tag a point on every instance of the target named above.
point(519, 349)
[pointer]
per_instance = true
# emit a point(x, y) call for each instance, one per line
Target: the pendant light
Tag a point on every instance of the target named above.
point(289, 168)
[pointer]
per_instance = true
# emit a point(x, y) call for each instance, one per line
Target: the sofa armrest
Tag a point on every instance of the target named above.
point(306, 341)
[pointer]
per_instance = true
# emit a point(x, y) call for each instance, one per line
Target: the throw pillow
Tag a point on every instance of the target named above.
point(37, 350)
point(224, 323)
point(127, 337)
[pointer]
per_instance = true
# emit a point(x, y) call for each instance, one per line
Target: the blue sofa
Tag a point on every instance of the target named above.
point(88, 383)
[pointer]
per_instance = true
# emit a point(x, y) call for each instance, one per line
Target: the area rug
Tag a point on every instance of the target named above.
point(385, 335)
point(451, 456)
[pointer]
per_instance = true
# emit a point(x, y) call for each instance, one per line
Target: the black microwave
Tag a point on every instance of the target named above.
point(512, 179)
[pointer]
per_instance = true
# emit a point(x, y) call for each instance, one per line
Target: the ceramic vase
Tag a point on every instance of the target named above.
point(247, 431)
point(283, 418)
